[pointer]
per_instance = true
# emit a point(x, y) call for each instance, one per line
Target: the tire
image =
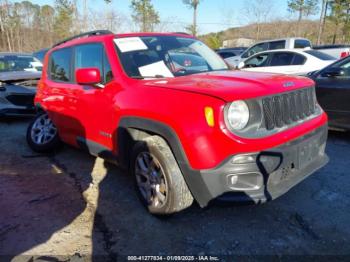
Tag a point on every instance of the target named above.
point(50, 140)
point(166, 178)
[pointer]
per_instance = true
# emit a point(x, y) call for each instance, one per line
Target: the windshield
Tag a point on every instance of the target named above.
point(166, 56)
point(320, 55)
point(10, 63)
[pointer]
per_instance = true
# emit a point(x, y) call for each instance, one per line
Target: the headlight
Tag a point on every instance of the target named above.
point(238, 115)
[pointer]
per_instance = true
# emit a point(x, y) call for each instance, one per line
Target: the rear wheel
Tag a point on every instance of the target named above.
point(42, 135)
point(159, 180)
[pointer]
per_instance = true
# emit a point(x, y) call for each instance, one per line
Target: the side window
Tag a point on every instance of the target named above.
point(93, 55)
point(299, 60)
point(302, 43)
point(345, 66)
point(281, 59)
point(256, 49)
point(277, 45)
point(257, 61)
point(60, 65)
point(89, 55)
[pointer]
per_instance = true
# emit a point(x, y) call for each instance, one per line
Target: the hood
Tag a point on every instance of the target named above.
point(19, 75)
point(234, 85)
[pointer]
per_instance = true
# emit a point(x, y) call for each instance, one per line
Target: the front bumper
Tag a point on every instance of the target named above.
point(263, 176)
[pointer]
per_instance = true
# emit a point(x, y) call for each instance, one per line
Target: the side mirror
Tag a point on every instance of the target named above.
point(333, 72)
point(240, 65)
point(88, 76)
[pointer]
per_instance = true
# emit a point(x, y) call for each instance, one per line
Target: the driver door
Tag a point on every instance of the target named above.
point(95, 103)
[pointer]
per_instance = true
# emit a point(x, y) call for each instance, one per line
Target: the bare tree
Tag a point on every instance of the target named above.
point(322, 21)
point(258, 12)
point(106, 19)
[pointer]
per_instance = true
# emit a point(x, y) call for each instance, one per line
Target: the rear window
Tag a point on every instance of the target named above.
point(282, 59)
point(298, 59)
point(301, 43)
point(60, 65)
point(277, 45)
point(320, 55)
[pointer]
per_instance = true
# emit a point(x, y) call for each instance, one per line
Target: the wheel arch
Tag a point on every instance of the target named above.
point(131, 127)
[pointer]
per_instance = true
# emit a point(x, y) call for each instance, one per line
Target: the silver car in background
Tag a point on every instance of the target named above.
point(19, 74)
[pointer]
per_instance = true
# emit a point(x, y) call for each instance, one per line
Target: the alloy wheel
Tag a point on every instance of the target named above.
point(151, 180)
point(43, 130)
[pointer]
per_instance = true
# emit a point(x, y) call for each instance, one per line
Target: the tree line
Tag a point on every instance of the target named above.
point(26, 27)
point(332, 27)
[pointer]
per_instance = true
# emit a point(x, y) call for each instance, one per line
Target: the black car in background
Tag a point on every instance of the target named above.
point(40, 54)
point(333, 92)
point(230, 52)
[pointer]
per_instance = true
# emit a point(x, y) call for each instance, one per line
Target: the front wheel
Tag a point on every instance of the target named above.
point(159, 180)
point(42, 135)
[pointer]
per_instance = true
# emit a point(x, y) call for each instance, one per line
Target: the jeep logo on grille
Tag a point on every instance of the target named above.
point(288, 84)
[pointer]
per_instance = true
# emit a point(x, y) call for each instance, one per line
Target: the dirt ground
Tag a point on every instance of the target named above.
point(72, 205)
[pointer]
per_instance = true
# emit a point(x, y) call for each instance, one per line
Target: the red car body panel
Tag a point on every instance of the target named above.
point(93, 113)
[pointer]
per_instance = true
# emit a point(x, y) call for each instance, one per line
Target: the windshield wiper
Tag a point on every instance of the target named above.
point(143, 77)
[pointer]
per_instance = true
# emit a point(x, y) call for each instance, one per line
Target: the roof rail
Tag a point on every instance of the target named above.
point(86, 34)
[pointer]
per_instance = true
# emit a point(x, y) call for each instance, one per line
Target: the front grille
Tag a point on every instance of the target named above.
point(285, 109)
point(21, 100)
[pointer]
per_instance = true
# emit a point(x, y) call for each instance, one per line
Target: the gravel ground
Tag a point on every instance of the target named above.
point(71, 204)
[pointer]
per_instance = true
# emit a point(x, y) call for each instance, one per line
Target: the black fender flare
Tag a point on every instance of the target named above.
point(192, 177)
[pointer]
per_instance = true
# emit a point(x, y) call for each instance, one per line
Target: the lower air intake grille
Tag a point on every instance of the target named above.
point(283, 110)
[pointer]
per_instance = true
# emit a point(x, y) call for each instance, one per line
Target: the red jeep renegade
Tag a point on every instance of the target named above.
point(169, 109)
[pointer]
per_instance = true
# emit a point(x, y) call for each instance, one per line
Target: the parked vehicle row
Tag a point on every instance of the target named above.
point(169, 109)
point(285, 43)
point(285, 61)
point(249, 57)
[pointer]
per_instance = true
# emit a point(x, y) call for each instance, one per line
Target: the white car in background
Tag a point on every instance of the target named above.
point(284, 43)
point(284, 61)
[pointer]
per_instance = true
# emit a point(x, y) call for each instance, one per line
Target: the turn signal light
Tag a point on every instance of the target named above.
point(209, 116)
